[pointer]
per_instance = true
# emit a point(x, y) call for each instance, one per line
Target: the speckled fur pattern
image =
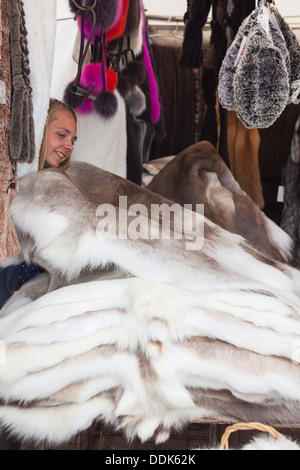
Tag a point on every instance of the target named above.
point(261, 82)
point(293, 48)
point(227, 70)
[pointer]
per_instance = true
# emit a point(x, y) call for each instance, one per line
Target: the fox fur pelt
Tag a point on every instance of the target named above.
point(174, 335)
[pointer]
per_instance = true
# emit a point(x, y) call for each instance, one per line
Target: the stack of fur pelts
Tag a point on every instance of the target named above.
point(260, 73)
point(175, 333)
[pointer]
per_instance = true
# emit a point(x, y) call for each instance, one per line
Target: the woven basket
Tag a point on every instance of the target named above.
point(246, 427)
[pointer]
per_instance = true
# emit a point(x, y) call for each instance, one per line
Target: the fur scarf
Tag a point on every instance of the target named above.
point(22, 133)
point(9, 244)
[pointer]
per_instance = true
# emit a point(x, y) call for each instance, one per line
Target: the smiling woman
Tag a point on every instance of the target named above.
point(59, 136)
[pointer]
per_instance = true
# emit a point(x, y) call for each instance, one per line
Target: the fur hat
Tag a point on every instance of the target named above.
point(229, 64)
point(261, 81)
point(293, 48)
point(228, 67)
point(279, 42)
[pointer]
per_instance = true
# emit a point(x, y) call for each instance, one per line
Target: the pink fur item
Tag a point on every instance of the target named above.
point(92, 73)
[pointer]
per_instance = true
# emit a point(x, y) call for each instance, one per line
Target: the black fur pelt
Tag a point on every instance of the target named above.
point(194, 19)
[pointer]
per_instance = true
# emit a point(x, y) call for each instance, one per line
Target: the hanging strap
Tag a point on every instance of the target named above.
point(75, 87)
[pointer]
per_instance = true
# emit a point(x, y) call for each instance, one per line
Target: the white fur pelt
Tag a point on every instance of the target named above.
point(182, 335)
point(264, 442)
point(142, 356)
point(40, 21)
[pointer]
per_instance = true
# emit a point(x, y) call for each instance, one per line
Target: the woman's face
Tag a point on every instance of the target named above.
point(61, 138)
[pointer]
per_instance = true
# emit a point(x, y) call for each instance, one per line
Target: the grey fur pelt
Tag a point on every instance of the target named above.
point(179, 335)
point(22, 132)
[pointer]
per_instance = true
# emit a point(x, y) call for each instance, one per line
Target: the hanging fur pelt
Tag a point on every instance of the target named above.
point(186, 332)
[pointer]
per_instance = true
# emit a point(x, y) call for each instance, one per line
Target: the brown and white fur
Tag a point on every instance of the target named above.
point(198, 175)
point(146, 357)
point(180, 335)
point(55, 219)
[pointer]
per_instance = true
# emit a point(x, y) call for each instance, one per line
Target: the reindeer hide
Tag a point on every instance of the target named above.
point(182, 334)
point(198, 175)
point(145, 357)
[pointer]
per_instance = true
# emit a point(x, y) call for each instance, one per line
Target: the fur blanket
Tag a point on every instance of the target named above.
point(175, 335)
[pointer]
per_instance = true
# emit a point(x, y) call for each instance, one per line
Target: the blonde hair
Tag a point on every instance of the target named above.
point(54, 105)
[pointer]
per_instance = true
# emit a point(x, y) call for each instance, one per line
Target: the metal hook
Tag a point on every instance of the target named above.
point(74, 87)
